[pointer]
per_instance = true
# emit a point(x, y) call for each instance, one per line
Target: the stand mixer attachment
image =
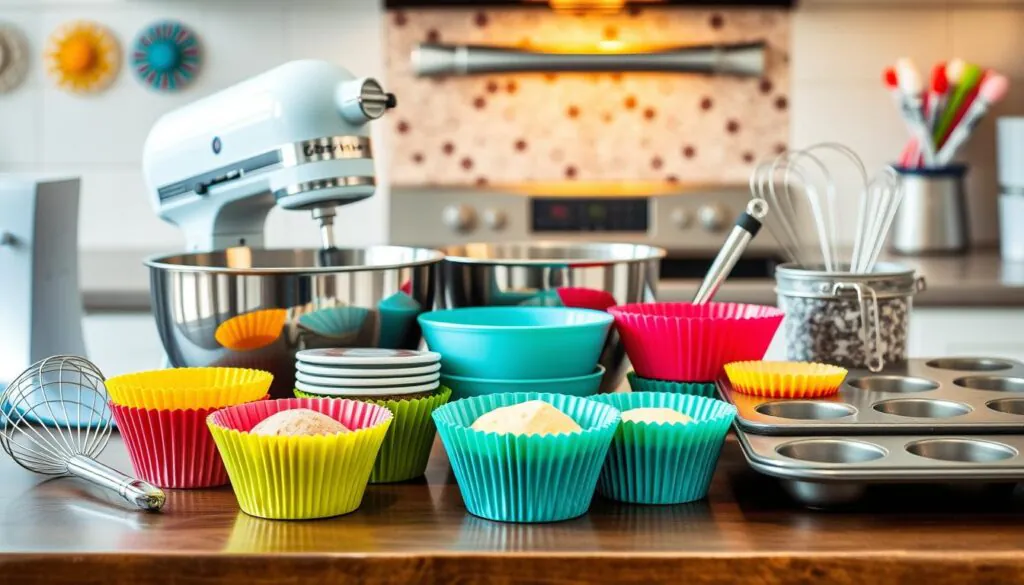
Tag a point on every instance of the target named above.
point(66, 388)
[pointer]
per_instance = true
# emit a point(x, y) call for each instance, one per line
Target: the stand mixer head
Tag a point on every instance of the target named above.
point(294, 137)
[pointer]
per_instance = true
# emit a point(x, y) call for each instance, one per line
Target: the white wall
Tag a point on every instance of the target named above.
point(837, 94)
point(100, 137)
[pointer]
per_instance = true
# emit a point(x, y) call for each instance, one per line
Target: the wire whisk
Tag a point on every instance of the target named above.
point(67, 392)
point(798, 179)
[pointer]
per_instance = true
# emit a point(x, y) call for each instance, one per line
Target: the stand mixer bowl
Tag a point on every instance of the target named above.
point(588, 275)
point(256, 308)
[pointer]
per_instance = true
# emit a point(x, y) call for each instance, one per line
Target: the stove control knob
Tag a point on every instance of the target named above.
point(459, 218)
point(681, 218)
point(495, 219)
point(713, 217)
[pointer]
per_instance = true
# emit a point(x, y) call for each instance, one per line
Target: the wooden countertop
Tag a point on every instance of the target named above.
point(59, 532)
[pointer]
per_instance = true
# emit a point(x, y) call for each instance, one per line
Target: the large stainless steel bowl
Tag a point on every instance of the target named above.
point(537, 273)
point(255, 308)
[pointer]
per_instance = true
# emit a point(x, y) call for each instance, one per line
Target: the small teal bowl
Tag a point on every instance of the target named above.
point(517, 343)
point(526, 478)
point(463, 387)
point(664, 463)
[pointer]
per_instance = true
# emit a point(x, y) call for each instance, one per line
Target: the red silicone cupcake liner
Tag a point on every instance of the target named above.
point(351, 413)
point(683, 342)
point(585, 298)
point(171, 448)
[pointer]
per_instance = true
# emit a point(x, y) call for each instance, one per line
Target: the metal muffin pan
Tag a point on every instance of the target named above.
point(943, 395)
point(826, 471)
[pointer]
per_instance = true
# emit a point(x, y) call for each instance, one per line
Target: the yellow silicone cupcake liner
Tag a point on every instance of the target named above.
point(251, 330)
point(785, 379)
point(185, 388)
point(300, 477)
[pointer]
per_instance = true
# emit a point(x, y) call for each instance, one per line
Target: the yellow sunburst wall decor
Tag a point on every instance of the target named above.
point(83, 56)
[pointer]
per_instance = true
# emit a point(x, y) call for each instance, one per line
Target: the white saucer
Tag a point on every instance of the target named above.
point(390, 391)
point(366, 382)
point(358, 372)
point(366, 356)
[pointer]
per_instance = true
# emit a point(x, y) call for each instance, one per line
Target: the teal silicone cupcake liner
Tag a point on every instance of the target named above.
point(664, 463)
point(640, 384)
point(526, 478)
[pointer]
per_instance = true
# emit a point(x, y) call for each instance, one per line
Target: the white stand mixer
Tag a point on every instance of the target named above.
point(295, 136)
point(40, 304)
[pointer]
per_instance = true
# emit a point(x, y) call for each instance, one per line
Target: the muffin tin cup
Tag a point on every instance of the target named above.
point(664, 463)
point(171, 448)
point(406, 448)
point(189, 388)
point(785, 379)
point(300, 477)
point(640, 384)
point(683, 342)
point(526, 478)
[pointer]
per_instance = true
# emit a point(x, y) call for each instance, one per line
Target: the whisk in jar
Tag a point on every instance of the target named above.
point(67, 392)
point(800, 179)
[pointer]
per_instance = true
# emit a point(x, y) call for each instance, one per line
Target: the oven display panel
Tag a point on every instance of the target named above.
point(604, 214)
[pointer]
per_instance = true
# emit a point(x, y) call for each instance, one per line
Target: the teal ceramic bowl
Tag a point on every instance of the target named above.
point(517, 343)
point(526, 478)
point(664, 463)
point(463, 387)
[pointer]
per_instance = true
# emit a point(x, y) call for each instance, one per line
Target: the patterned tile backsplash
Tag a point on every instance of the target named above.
point(582, 126)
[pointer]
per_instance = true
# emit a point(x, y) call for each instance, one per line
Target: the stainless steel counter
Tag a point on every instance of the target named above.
point(117, 281)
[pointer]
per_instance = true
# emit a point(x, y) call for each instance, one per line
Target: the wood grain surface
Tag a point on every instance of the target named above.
point(748, 531)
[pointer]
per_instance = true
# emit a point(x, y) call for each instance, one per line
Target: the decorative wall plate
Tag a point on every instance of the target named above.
point(166, 55)
point(83, 56)
point(13, 57)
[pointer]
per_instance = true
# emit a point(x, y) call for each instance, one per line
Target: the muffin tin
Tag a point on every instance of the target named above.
point(827, 471)
point(921, 396)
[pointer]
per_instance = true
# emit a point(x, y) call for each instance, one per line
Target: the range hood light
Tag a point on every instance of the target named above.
point(606, 6)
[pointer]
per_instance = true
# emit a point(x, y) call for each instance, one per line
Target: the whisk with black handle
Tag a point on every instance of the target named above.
point(67, 392)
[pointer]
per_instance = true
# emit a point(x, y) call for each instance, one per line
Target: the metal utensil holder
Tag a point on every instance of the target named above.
point(932, 218)
point(851, 320)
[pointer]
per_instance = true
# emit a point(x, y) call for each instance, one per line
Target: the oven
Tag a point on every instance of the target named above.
point(690, 221)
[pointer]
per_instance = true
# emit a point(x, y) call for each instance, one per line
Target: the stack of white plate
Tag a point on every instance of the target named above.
point(366, 371)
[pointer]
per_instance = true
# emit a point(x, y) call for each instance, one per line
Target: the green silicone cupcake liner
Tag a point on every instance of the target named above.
point(526, 478)
point(406, 448)
point(640, 384)
point(664, 463)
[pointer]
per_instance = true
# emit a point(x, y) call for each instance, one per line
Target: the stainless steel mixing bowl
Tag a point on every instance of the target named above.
point(255, 308)
point(558, 274)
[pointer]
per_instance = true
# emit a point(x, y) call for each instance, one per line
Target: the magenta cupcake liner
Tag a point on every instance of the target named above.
point(683, 342)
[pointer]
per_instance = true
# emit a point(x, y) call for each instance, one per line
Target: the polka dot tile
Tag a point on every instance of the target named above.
point(588, 127)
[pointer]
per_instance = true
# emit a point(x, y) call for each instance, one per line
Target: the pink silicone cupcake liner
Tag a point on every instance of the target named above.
point(683, 342)
point(585, 298)
point(171, 448)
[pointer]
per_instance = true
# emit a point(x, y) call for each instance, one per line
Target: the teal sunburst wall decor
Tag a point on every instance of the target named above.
point(167, 55)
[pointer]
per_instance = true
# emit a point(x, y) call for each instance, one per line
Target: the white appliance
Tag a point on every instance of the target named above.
point(40, 303)
point(1011, 186)
point(295, 137)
